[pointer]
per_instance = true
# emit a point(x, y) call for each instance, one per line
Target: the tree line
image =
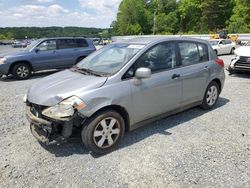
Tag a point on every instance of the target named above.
point(137, 17)
point(40, 32)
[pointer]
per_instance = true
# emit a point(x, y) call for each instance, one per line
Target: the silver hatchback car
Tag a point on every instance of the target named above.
point(123, 86)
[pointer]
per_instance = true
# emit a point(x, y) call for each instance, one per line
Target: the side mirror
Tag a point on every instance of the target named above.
point(37, 50)
point(143, 73)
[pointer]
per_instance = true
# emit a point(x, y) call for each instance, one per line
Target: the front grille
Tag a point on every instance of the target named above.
point(36, 109)
point(242, 63)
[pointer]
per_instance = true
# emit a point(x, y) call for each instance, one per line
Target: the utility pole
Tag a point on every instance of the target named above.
point(154, 22)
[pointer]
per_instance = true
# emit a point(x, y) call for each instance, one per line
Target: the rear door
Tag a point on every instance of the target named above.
point(162, 91)
point(67, 52)
point(194, 70)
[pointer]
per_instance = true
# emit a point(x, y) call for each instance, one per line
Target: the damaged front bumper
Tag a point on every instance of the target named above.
point(47, 130)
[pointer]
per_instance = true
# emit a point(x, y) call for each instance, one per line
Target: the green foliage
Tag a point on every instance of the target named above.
point(38, 32)
point(215, 14)
point(240, 20)
point(182, 16)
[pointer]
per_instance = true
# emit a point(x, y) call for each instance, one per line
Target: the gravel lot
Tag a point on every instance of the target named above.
point(195, 148)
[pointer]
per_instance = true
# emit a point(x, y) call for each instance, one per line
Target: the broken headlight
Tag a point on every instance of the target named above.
point(65, 108)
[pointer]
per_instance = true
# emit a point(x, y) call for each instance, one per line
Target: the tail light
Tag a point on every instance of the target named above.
point(220, 62)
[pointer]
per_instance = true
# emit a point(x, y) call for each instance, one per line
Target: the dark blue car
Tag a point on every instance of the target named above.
point(45, 54)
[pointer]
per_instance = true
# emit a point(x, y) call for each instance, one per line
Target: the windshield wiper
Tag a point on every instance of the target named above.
point(87, 71)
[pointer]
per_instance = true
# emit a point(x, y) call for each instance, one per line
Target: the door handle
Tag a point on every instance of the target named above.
point(176, 76)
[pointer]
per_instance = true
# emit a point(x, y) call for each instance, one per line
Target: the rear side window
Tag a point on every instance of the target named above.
point(66, 43)
point(81, 43)
point(192, 53)
point(228, 41)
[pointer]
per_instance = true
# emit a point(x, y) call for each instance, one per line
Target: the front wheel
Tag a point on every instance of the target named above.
point(21, 71)
point(211, 96)
point(103, 131)
point(232, 51)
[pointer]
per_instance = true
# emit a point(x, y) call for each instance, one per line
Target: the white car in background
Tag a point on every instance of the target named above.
point(223, 46)
point(241, 61)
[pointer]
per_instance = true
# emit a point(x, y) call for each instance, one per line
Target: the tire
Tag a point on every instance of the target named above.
point(21, 71)
point(211, 96)
point(232, 51)
point(97, 133)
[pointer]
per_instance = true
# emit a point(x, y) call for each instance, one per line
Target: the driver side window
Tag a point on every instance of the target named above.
point(159, 58)
point(47, 45)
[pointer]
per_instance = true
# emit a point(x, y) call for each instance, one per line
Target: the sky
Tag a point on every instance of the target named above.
point(43, 13)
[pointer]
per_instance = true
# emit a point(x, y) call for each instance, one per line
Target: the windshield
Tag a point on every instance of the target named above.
point(31, 45)
point(110, 59)
point(213, 42)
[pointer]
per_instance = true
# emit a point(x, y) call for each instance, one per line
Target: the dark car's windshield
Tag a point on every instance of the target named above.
point(110, 59)
point(213, 42)
point(32, 44)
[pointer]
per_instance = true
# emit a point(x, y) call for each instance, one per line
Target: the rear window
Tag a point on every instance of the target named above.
point(81, 43)
point(192, 53)
point(71, 43)
point(66, 43)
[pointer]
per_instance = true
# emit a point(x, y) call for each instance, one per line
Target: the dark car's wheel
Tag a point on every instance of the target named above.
point(21, 71)
point(232, 51)
point(211, 96)
point(103, 131)
point(230, 70)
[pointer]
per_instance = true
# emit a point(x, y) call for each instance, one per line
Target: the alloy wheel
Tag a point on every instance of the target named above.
point(107, 132)
point(22, 71)
point(212, 95)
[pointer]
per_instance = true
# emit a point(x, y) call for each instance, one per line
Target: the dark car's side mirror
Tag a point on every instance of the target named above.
point(143, 73)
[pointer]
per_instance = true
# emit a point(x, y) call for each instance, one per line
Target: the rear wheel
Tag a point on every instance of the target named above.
point(103, 132)
point(21, 71)
point(211, 96)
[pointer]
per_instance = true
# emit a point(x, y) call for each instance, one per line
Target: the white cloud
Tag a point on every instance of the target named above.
point(44, 1)
point(56, 15)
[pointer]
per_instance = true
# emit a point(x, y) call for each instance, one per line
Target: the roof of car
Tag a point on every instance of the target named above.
point(148, 40)
point(51, 38)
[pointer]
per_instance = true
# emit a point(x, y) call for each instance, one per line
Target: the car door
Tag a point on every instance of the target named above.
point(67, 52)
point(162, 91)
point(45, 55)
point(194, 71)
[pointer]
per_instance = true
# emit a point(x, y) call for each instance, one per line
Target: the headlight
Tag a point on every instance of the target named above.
point(2, 60)
point(65, 108)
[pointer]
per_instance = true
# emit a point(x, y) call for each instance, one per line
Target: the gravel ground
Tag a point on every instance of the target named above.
point(195, 148)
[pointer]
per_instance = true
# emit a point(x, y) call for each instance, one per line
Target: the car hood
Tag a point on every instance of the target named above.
point(243, 51)
point(53, 89)
point(15, 54)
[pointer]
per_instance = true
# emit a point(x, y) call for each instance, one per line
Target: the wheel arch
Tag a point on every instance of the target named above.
point(218, 82)
point(119, 109)
point(18, 62)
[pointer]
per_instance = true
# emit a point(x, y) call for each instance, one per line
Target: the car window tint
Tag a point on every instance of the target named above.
point(66, 43)
point(81, 43)
point(189, 53)
point(160, 57)
point(203, 51)
point(228, 42)
point(47, 45)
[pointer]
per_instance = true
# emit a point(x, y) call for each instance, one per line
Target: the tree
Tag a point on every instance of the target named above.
point(132, 18)
point(190, 12)
point(240, 20)
point(215, 14)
